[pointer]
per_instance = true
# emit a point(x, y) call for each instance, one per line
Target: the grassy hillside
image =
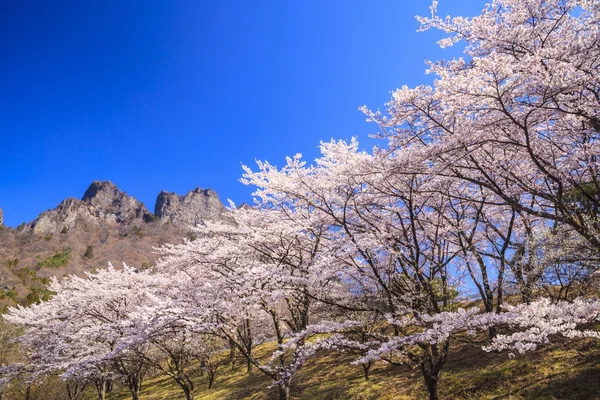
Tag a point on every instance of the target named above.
point(28, 260)
point(563, 370)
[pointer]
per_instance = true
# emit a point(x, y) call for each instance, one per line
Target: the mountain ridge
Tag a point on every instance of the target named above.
point(105, 225)
point(103, 203)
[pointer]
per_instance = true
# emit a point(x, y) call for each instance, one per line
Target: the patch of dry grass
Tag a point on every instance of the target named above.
point(564, 370)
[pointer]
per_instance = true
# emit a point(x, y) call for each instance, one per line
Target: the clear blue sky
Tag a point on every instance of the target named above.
point(175, 95)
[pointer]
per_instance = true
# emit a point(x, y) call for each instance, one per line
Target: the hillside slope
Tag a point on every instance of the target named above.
point(105, 225)
point(563, 370)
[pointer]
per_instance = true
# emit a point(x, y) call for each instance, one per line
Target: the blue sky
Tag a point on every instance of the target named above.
point(176, 95)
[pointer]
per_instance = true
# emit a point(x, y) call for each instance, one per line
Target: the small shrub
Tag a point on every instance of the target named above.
point(9, 293)
point(64, 229)
point(89, 252)
point(48, 238)
point(12, 263)
point(58, 260)
point(137, 232)
point(191, 236)
point(150, 218)
point(146, 265)
point(37, 294)
point(26, 275)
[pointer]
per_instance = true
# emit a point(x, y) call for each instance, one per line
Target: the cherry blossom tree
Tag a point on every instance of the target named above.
point(391, 245)
point(80, 326)
point(256, 279)
point(518, 116)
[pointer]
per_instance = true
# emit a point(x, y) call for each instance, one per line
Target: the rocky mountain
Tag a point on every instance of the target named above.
point(106, 225)
point(104, 204)
point(189, 210)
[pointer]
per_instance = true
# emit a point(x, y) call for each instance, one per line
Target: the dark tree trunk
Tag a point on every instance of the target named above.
point(492, 332)
point(135, 392)
point(366, 367)
point(135, 385)
point(211, 378)
point(74, 390)
point(189, 394)
point(101, 389)
point(284, 391)
point(431, 378)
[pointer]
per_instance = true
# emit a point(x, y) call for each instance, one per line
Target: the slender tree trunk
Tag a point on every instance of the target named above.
point(431, 379)
point(211, 378)
point(135, 393)
point(489, 308)
point(189, 394)
point(135, 385)
point(284, 391)
point(101, 389)
point(249, 343)
point(366, 368)
point(75, 390)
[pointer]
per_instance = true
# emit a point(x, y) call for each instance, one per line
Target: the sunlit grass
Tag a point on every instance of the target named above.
point(564, 370)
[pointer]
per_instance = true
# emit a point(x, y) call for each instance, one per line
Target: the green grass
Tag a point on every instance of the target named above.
point(563, 370)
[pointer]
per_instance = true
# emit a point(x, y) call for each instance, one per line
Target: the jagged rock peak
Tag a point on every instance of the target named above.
point(102, 204)
point(112, 203)
point(99, 191)
point(190, 209)
point(1, 217)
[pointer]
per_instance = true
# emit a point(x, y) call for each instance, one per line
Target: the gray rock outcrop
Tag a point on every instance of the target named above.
point(114, 206)
point(1, 218)
point(102, 204)
point(189, 210)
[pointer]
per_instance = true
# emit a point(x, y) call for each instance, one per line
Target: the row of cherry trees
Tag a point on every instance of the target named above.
point(489, 184)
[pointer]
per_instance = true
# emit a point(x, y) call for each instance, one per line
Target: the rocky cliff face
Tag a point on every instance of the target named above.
point(189, 210)
point(1, 217)
point(114, 206)
point(102, 204)
point(105, 225)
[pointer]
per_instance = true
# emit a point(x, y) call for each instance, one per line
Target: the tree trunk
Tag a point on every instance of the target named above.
point(284, 391)
point(202, 366)
point(101, 389)
point(211, 378)
point(135, 385)
point(492, 332)
point(189, 395)
point(75, 390)
point(366, 368)
point(28, 392)
point(135, 393)
point(431, 383)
